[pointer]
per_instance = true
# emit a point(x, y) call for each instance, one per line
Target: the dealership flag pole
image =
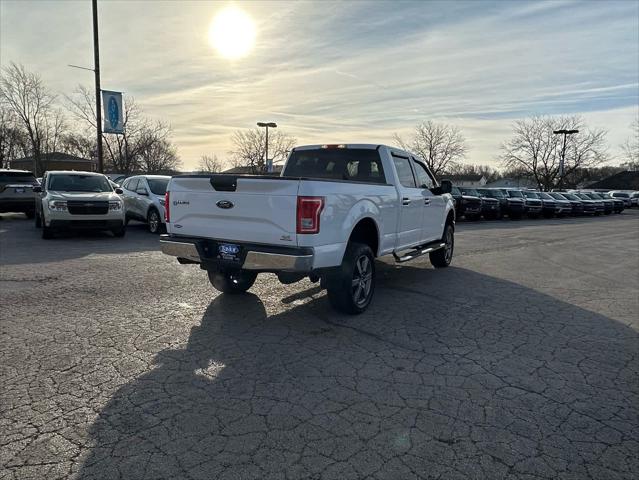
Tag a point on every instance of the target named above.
point(98, 100)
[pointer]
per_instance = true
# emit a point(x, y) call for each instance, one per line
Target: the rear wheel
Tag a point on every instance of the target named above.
point(238, 281)
point(153, 221)
point(351, 289)
point(441, 258)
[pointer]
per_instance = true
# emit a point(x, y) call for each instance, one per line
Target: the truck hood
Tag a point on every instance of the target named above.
point(84, 196)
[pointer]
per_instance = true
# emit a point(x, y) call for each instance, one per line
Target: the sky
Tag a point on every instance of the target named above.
point(352, 72)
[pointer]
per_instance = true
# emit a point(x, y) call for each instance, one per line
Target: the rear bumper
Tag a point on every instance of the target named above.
point(261, 258)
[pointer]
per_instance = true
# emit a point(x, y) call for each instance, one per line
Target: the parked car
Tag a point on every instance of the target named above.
point(16, 192)
point(549, 205)
point(611, 204)
point(144, 199)
point(497, 195)
point(625, 197)
point(569, 203)
point(595, 204)
point(333, 210)
point(69, 200)
point(466, 206)
point(490, 208)
point(634, 199)
point(534, 205)
point(516, 203)
point(608, 203)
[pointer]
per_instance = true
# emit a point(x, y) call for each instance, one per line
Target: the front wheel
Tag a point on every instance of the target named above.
point(232, 282)
point(351, 288)
point(441, 258)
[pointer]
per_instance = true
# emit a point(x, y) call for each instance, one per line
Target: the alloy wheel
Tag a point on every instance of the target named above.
point(362, 280)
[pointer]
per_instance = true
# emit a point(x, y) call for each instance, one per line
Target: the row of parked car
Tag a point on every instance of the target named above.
point(63, 200)
point(496, 203)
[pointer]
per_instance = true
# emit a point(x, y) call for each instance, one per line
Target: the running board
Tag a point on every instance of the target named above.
point(419, 251)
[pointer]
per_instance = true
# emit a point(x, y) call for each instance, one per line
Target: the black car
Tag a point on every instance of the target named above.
point(497, 195)
point(612, 204)
point(597, 204)
point(533, 204)
point(549, 205)
point(576, 205)
point(608, 203)
point(516, 203)
point(466, 206)
point(490, 208)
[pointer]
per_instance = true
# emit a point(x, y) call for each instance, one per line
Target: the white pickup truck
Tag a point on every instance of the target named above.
point(333, 210)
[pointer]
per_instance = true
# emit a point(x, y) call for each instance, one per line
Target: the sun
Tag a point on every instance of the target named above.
point(232, 33)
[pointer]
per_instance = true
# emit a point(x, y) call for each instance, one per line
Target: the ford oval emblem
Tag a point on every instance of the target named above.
point(225, 204)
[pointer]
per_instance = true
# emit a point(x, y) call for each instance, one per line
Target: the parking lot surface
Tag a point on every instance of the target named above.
point(521, 360)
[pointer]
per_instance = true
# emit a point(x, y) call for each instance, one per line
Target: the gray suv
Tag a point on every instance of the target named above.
point(144, 199)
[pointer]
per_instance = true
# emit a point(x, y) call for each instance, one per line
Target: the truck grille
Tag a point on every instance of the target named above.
point(87, 208)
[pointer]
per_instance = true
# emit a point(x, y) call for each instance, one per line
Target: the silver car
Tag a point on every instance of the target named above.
point(144, 199)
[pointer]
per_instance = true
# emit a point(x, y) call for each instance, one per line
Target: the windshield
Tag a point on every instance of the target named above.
point(515, 194)
point(620, 195)
point(471, 192)
point(569, 196)
point(17, 177)
point(158, 185)
point(531, 194)
point(558, 196)
point(545, 196)
point(491, 193)
point(353, 164)
point(79, 183)
point(455, 191)
point(592, 196)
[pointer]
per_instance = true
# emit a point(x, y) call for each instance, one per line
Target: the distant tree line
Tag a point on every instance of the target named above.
point(36, 122)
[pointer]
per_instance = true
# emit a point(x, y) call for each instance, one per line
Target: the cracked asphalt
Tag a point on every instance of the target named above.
point(519, 361)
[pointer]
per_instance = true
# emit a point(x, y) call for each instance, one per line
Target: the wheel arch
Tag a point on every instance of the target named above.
point(366, 231)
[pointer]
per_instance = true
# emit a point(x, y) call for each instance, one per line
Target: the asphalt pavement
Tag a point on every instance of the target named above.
point(521, 360)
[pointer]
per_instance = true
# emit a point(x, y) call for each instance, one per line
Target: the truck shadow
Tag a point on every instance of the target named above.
point(465, 376)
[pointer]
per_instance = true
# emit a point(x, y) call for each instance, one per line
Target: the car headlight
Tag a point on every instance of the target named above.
point(58, 205)
point(115, 205)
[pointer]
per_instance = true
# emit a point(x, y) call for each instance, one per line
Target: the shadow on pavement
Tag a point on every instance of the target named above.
point(450, 374)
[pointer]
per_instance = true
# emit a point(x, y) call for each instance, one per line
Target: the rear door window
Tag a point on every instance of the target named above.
point(132, 185)
point(404, 172)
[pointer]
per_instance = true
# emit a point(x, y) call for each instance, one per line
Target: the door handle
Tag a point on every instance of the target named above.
point(427, 201)
point(405, 201)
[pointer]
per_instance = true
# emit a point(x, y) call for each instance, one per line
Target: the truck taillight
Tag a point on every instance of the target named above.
point(167, 208)
point(308, 214)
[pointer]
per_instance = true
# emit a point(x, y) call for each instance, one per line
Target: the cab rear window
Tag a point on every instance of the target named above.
point(352, 164)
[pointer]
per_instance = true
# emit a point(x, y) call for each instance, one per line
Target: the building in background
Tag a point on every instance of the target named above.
point(55, 161)
point(470, 180)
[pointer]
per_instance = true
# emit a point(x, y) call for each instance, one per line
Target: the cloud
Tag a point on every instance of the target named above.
point(348, 71)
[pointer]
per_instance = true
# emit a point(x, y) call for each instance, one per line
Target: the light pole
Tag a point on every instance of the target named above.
point(565, 133)
point(269, 166)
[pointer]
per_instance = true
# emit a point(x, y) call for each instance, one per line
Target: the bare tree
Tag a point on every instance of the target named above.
point(130, 151)
point(631, 148)
point(210, 164)
point(440, 145)
point(13, 142)
point(25, 94)
point(535, 150)
point(249, 148)
point(489, 173)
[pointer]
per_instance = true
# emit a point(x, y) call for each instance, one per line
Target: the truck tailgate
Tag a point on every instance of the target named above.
point(257, 210)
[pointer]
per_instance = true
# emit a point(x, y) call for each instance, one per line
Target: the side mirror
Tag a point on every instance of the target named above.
point(119, 191)
point(446, 186)
point(142, 191)
point(37, 189)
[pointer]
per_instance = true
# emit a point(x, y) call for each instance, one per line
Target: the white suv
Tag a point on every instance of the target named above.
point(78, 200)
point(144, 199)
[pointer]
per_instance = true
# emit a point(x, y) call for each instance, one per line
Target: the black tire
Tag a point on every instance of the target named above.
point(30, 214)
point(119, 232)
point(441, 258)
point(232, 282)
point(38, 221)
point(351, 288)
point(154, 221)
